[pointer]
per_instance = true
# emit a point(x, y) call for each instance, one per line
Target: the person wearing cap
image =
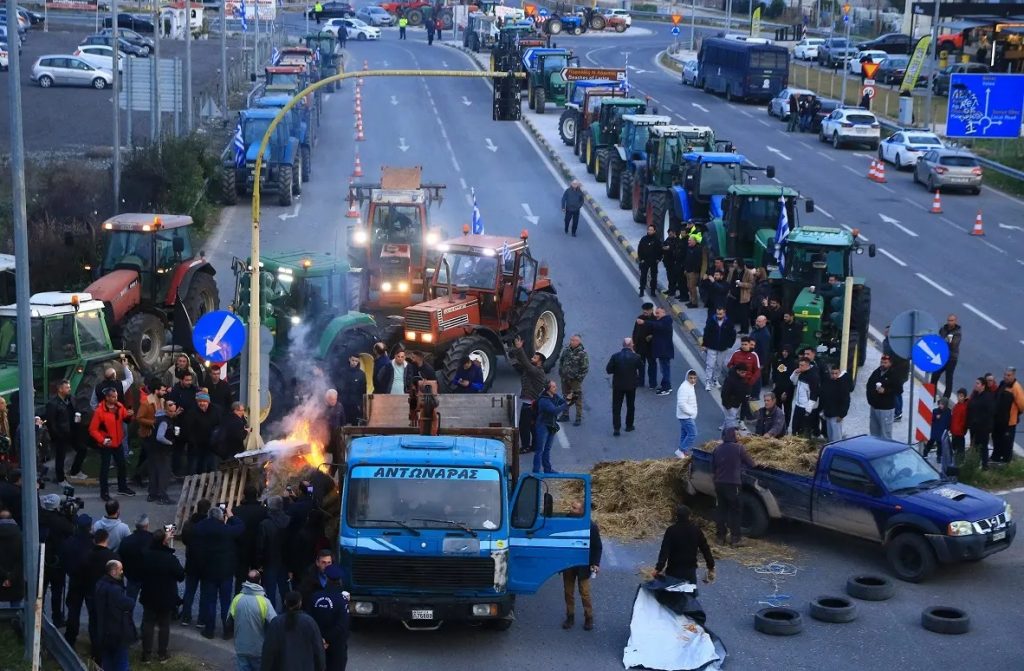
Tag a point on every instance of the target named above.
point(201, 425)
point(72, 554)
point(54, 529)
point(132, 550)
point(218, 388)
point(107, 428)
point(329, 608)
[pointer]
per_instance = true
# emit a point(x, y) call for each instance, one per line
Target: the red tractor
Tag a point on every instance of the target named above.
point(414, 10)
point(485, 291)
point(395, 250)
point(150, 277)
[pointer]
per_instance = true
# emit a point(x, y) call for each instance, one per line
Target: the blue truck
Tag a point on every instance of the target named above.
point(879, 490)
point(437, 526)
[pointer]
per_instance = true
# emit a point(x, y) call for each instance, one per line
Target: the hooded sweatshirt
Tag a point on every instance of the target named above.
point(251, 610)
point(117, 529)
point(728, 460)
point(686, 398)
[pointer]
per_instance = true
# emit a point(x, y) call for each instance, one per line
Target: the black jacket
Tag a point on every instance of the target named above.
point(981, 413)
point(386, 375)
point(596, 550)
point(352, 387)
point(252, 513)
point(221, 396)
point(160, 577)
point(299, 648)
point(73, 553)
point(201, 425)
point(728, 460)
point(835, 397)
point(648, 250)
point(790, 335)
point(60, 419)
point(715, 294)
point(694, 260)
point(232, 435)
point(270, 540)
point(329, 608)
point(114, 614)
point(185, 398)
point(217, 547)
point(719, 337)
point(54, 529)
point(782, 369)
point(626, 368)
point(891, 385)
point(673, 253)
point(11, 565)
point(193, 555)
point(10, 497)
point(734, 390)
point(643, 334)
point(679, 547)
point(131, 549)
point(95, 566)
point(572, 200)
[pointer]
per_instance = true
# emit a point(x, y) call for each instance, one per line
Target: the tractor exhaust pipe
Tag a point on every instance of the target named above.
point(448, 274)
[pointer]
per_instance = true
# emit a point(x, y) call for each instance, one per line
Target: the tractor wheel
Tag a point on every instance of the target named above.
point(542, 327)
point(601, 165)
point(297, 176)
point(553, 26)
point(657, 211)
point(853, 363)
point(201, 297)
point(860, 319)
point(585, 146)
point(540, 100)
point(284, 185)
point(230, 186)
point(597, 22)
point(567, 127)
point(590, 159)
point(415, 17)
point(611, 187)
point(145, 335)
point(639, 204)
point(447, 22)
point(577, 30)
point(307, 163)
point(626, 190)
point(620, 27)
point(529, 97)
point(473, 345)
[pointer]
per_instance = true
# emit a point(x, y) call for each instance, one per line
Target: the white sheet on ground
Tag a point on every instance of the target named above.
point(661, 640)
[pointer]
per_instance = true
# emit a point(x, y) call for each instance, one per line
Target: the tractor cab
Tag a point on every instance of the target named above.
point(297, 126)
point(705, 178)
point(255, 123)
point(481, 32)
point(151, 246)
point(7, 265)
point(635, 131)
point(751, 216)
point(545, 81)
point(581, 107)
point(325, 46)
point(304, 56)
point(290, 78)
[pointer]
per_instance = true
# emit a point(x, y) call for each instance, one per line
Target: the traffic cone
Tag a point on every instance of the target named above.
point(358, 121)
point(360, 82)
point(366, 65)
point(979, 228)
point(359, 107)
point(936, 203)
point(352, 213)
point(880, 172)
point(873, 171)
point(359, 95)
point(359, 133)
point(358, 171)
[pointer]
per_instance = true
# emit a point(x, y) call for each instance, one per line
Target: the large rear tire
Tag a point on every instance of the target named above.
point(611, 187)
point(584, 145)
point(567, 127)
point(145, 335)
point(284, 185)
point(415, 17)
point(639, 204)
point(601, 165)
point(229, 186)
point(553, 26)
point(540, 100)
point(473, 345)
point(626, 190)
point(597, 22)
point(591, 157)
point(307, 163)
point(201, 297)
point(860, 319)
point(657, 204)
point(542, 327)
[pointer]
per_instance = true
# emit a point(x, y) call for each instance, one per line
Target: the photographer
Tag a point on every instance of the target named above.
point(549, 406)
point(55, 527)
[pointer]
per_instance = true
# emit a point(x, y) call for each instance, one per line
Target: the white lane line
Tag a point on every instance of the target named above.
point(984, 316)
point(881, 185)
point(664, 107)
point(743, 112)
point(760, 121)
point(856, 172)
point(774, 179)
point(952, 223)
point(777, 153)
point(935, 284)
point(560, 438)
point(462, 180)
point(892, 258)
point(1015, 490)
point(915, 204)
point(1020, 261)
point(1001, 251)
point(856, 153)
point(818, 208)
point(700, 107)
point(859, 234)
point(826, 156)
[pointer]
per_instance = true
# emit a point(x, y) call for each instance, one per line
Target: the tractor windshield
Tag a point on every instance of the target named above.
point(554, 63)
point(254, 129)
point(813, 265)
point(283, 79)
point(9, 341)
point(90, 332)
point(397, 225)
point(757, 213)
point(128, 248)
point(476, 272)
point(716, 178)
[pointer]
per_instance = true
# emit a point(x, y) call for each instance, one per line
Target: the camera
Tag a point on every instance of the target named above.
point(171, 528)
point(70, 504)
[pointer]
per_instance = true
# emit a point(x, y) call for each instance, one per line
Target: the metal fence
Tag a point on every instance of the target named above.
point(52, 640)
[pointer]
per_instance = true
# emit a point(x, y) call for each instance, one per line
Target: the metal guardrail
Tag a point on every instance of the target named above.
point(53, 641)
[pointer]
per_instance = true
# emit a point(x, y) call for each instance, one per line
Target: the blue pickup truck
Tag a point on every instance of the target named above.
point(879, 490)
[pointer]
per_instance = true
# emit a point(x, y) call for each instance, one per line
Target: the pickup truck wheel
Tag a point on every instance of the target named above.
point(836, 609)
point(870, 587)
point(911, 557)
point(945, 620)
point(754, 520)
point(778, 621)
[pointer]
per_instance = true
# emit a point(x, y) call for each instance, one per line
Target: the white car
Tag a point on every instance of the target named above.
point(904, 147)
point(850, 125)
point(873, 55)
point(690, 72)
point(807, 49)
point(5, 62)
point(355, 29)
point(99, 55)
point(619, 13)
point(779, 105)
point(375, 16)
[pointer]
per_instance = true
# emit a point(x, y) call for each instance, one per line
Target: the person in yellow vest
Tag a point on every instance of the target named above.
point(318, 8)
point(402, 23)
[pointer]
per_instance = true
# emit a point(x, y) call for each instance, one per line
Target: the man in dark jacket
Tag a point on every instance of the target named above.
point(332, 414)
point(234, 429)
point(952, 333)
point(10, 491)
point(132, 549)
point(899, 370)
point(252, 513)
point(648, 252)
point(714, 290)
point(61, 425)
point(116, 630)
point(54, 530)
point(352, 389)
point(315, 577)
point(719, 337)
point(582, 575)
point(217, 538)
point(679, 547)
point(184, 393)
point(771, 419)
point(12, 570)
point(271, 537)
point(329, 608)
point(727, 462)
point(693, 262)
point(72, 553)
point(627, 371)
point(643, 338)
point(161, 574)
point(532, 380)
point(293, 640)
point(761, 335)
point(193, 558)
point(790, 332)
point(201, 425)
point(673, 255)
point(468, 378)
point(981, 412)
point(882, 390)
point(219, 389)
point(663, 349)
point(835, 402)
point(782, 368)
point(572, 203)
point(94, 568)
point(735, 391)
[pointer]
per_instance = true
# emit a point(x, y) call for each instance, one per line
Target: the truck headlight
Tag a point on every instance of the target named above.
point(429, 337)
point(485, 609)
point(960, 528)
point(385, 286)
point(360, 237)
point(1008, 511)
point(363, 608)
point(403, 286)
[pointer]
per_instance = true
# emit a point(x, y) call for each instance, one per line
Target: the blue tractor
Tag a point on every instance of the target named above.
point(298, 126)
point(282, 161)
point(564, 19)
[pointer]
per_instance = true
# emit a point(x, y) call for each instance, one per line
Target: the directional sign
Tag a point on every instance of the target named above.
point(675, 30)
point(931, 353)
point(869, 69)
point(906, 328)
point(985, 105)
point(582, 74)
point(543, 12)
point(219, 336)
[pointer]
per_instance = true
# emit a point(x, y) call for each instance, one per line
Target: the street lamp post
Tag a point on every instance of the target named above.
point(115, 42)
point(224, 59)
point(187, 98)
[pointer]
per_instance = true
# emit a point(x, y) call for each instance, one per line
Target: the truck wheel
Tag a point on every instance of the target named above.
point(870, 587)
point(910, 557)
point(837, 609)
point(597, 22)
point(307, 163)
point(229, 191)
point(415, 17)
point(145, 335)
point(577, 30)
point(945, 620)
point(626, 190)
point(540, 100)
point(601, 165)
point(567, 127)
point(553, 26)
point(284, 185)
point(474, 346)
point(754, 520)
point(611, 186)
point(542, 327)
point(201, 297)
point(778, 621)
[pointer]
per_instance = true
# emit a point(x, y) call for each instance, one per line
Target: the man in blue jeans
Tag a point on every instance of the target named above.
point(217, 536)
point(662, 349)
point(549, 406)
point(686, 413)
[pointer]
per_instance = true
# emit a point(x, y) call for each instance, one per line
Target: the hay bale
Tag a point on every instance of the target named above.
point(789, 453)
point(636, 499)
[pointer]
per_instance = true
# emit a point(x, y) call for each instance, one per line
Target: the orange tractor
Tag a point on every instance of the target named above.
point(393, 247)
point(485, 291)
point(151, 280)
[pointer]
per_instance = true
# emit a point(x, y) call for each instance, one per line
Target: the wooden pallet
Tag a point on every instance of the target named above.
point(220, 486)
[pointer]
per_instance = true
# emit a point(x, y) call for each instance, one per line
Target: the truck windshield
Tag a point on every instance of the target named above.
point(905, 470)
point(424, 497)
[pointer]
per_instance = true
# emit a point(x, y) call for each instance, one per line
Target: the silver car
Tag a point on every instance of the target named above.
point(66, 70)
point(375, 16)
point(690, 72)
point(948, 169)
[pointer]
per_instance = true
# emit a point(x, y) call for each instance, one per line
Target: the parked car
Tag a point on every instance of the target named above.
point(892, 69)
point(904, 147)
point(139, 24)
point(3, 38)
point(123, 45)
point(948, 168)
point(951, 42)
point(851, 125)
point(99, 55)
point(34, 18)
point(619, 14)
point(940, 80)
point(854, 65)
point(779, 105)
point(825, 107)
point(835, 51)
point(807, 48)
point(891, 43)
point(132, 37)
point(375, 16)
point(690, 72)
point(356, 29)
point(5, 62)
point(23, 23)
point(59, 69)
point(332, 10)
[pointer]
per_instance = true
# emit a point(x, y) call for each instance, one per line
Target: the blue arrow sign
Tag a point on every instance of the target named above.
point(675, 30)
point(219, 336)
point(930, 353)
point(543, 12)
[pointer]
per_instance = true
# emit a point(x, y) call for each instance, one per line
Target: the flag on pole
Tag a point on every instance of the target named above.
point(239, 143)
point(478, 222)
point(275, 56)
point(781, 233)
point(245, 26)
point(625, 76)
point(506, 253)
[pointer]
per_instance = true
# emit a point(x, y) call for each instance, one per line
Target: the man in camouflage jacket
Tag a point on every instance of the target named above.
point(573, 367)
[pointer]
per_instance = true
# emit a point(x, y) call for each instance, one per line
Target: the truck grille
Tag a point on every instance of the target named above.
point(418, 320)
point(988, 525)
point(425, 573)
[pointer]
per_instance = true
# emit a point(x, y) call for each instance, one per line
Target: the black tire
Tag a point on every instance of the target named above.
point(360, 37)
point(601, 165)
point(415, 17)
point(620, 27)
point(352, 341)
point(910, 557)
point(145, 335)
point(976, 191)
point(626, 190)
point(45, 81)
point(463, 347)
point(529, 97)
point(99, 83)
point(837, 609)
point(284, 185)
point(591, 157)
point(307, 163)
point(297, 176)
point(567, 127)
point(540, 100)
point(584, 145)
point(657, 206)
point(860, 320)
point(836, 142)
point(854, 356)
point(640, 208)
point(553, 26)
point(778, 621)
point(870, 587)
point(597, 22)
point(611, 187)
point(754, 518)
point(229, 190)
point(542, 327)
point(945, 620)
point(201, 297)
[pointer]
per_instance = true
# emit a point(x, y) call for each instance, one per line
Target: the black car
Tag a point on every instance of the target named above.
point(892, 69)
point(131, 37)
point(136, 23)
point(34, 18)
point(890, 43)
point(333, 10)
point(828, 105)
point(123, 45)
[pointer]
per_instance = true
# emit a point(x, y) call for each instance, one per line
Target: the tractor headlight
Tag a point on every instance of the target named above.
point(429, 337)
point(360, 237)
point(296, 320)
point(960, 528)
point(385, 286)
point(433, 238)
point(403, 286)
point(410, 335)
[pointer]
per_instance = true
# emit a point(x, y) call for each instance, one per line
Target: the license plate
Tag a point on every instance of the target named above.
point(861, 131)
point(423, 615)
point(998, 536)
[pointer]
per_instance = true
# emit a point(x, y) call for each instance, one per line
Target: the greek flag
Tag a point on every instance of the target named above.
point(478, 222)
point(316, 55)
point(625, 76)
point(245, 26)
point(506, 253)
point(275, 55)
point(781, 233)
point(239, 143)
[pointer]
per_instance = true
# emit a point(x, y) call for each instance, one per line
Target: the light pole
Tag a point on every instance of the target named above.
point(115, 42)
point(842, 62)
point(224, 59)
point(156, 107)
point(934, 53)
point(693, 25)
point(187, 98)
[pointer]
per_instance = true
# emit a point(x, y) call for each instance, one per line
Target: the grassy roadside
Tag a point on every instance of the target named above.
point(669, 62)
point(996, 478)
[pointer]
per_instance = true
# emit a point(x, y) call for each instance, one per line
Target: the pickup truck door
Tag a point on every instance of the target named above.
point(545, 538)
point(846, 498)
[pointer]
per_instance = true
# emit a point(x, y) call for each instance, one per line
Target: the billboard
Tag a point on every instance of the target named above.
point(267, 9)
point(80, 5)
point(985, 105)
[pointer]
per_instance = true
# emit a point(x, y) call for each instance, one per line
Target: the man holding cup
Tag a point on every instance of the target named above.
point(107, 429)
point(62, 422)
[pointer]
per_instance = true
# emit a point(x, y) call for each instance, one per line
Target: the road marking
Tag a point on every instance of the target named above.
point(402, 145)
point(292, 215)
point(777, 152)
point(861, 154)
point(892, 258)
point(818, 208)
point(743, 112)
point(776, 180)
point(1010, 228)
point(700, 107)
point(530, 216)
point(935, 284)
point(859, 234)
point(469, 199)
point(562, 441)
point(825, 155)
point(491, 145)
point(668, 109)
point(394, 100)
point(915, 203)
point(762, 122)
point(1015, 490)
point(465, 101)
point(856, 172)
point(886, 188)
point(462, 181)
point(984, 316)
point(895, 222)
point(952, 223)
point(998, 249)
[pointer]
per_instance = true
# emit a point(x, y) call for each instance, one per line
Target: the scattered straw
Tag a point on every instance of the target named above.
point(789, 453)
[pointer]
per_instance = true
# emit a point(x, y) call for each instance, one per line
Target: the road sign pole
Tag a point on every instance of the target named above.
point(187, 98)
point(130, 99)
point(117, 106)
point(693, 25)
point(910, 406)
point(224, 60)
point(846, 67)
point(934, 52)
point(844, 349)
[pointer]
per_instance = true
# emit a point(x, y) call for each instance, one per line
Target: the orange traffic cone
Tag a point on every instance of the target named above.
point(936, 203)
point(880, 172)
point(359, 95)
point(359, 107)
point(979, 228)
point(352, 213)
point(359, 120)
point(358, 171)
point(359, 132)
point(872, 171)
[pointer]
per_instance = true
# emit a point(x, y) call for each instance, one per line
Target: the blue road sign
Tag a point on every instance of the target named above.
point(675, 30)
point(987, 105)
point(219, 336)
point(543, 12)
point(846, 18)
point(931, 353)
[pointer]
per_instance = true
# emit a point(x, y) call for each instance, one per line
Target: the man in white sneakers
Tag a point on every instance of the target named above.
point(686, 413)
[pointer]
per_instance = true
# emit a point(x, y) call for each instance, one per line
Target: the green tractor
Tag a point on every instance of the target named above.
point(598, 139)
point(545, 82)
point(582, 105)
point(325, 45)
point(750, 218)
point(630, 147)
